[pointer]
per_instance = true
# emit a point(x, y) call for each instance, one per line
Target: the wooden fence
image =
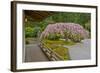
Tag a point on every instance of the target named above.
point(52, 56)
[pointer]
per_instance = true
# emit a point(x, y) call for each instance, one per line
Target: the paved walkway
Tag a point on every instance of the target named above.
point(33, 53)
point(80, 51)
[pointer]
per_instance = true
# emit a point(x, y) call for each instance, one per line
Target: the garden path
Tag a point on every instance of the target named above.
point(80, 51)
point(33, 53)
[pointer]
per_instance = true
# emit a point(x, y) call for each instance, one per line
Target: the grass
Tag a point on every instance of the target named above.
point(63, 52)
point(57, 46)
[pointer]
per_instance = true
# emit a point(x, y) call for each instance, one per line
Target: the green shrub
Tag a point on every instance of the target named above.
point(72, 36)
point(35, 31)
point(32, 32)
point(28, 32)
point(88, 26)
point(67, 35)
point(76, 37)
point(54, 36)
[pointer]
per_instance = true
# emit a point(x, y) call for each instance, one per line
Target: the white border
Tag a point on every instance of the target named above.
point(21, 65)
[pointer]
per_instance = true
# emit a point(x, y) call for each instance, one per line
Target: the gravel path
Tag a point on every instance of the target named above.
point(80, 51)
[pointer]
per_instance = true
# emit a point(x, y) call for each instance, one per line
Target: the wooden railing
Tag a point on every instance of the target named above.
point(53, 56)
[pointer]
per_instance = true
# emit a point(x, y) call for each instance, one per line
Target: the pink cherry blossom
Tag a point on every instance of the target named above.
point(60, 28)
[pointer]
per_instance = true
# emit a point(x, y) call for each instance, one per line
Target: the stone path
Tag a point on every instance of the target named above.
point(80, 51)
point(33, 53)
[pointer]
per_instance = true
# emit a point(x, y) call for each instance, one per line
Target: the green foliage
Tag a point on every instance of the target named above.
point(76, 37)
point(67, 35)
point(29, 24)
point(88, 26)
point(42, 25)
point(54, 36)
point(35, 31)
point(80, 18)
point(32, 32)
point(73, 37)
point(28, 32)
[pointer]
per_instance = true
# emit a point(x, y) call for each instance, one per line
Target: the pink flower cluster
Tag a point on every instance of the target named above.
point(60, 28)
